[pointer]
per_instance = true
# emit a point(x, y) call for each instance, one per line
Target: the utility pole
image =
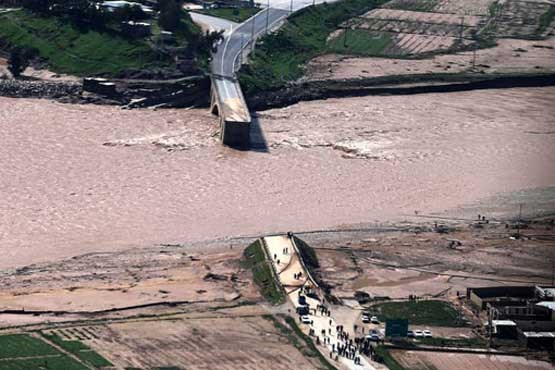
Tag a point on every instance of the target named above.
point(553, 273)
point(291, 6)
point(267, 16)
point(462, 29)
point(490, 326)
point(253, 21)
point(241, 52)
point(518, 223)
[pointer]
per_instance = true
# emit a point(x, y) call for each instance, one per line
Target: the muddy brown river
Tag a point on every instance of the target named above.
point(76, 179)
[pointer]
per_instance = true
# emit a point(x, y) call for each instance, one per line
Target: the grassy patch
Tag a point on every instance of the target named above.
point(383, 354)
point(22, 345)
point(546, 19)
point(414, 5)
point(360, 42)
point(280, 57)
point(308, 254)
point(56, 363)
point(434, 313)
point(70, 50)
point(82, 351)
point(255, 260)
point(458, 342)
point(231, 14)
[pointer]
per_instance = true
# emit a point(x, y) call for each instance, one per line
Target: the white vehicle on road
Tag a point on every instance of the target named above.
point(374, 320)
point(418, 334)
point(305, 319)
point(427, 333)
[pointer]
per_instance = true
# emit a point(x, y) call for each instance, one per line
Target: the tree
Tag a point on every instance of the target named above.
point(19, 60)
point(170, 14)
point(37, 6)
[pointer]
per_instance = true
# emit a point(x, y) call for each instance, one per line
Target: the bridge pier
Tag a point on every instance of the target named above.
point(234, 118)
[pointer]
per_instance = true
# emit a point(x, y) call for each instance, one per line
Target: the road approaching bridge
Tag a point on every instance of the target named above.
point(227, 100)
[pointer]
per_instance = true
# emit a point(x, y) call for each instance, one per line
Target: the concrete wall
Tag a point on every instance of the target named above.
point(235, 134)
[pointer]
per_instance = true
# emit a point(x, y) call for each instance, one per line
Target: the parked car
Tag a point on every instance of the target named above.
point(410, 334)
point(303, 310)
point(418, 334)
point(373, 337)
point(365, 318)
point(305, 319)
point(374, 320)
point(427, 333)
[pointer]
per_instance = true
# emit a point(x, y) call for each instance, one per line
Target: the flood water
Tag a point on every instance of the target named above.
point(76, 179)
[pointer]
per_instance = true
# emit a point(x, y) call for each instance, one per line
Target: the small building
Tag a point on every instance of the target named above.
point(506, 294)
point(538, 335)
point(115, 4)
point(166, 37)
point(504, 329)
point(547, 308)
point(136, 29)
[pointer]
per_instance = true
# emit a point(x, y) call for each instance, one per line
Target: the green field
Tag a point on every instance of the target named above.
point(21, 345)
point(83, 352)
point(255, 260)
point(433, 313)
point(15, 350)
point(360, 42)
point(280, 57)
point(238, 15)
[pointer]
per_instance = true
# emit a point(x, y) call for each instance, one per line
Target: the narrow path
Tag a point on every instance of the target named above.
point(287, 261)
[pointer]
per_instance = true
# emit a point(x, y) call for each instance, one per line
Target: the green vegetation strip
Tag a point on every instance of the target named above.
point(83, 352)
point(56, 363)
point(254, 259)
point(308, 254)
point(455, 342)
point(414, 5)
point(387, 359)
point(546, 19)
point(295, 335)
point(16, 352)
point(434, 313)
point(71, 50)
point(280, 57)
point(238, 15)
point(494, 8)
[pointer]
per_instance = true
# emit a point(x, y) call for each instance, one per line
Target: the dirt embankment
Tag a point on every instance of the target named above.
point(142, 89)
point(394, 85)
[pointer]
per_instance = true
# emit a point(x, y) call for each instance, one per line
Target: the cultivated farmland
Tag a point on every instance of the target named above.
point(203, 343)
point(412, 360)
point(24, 352)
point(420, 27)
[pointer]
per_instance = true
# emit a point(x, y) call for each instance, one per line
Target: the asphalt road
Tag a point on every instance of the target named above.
point(224, 61)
